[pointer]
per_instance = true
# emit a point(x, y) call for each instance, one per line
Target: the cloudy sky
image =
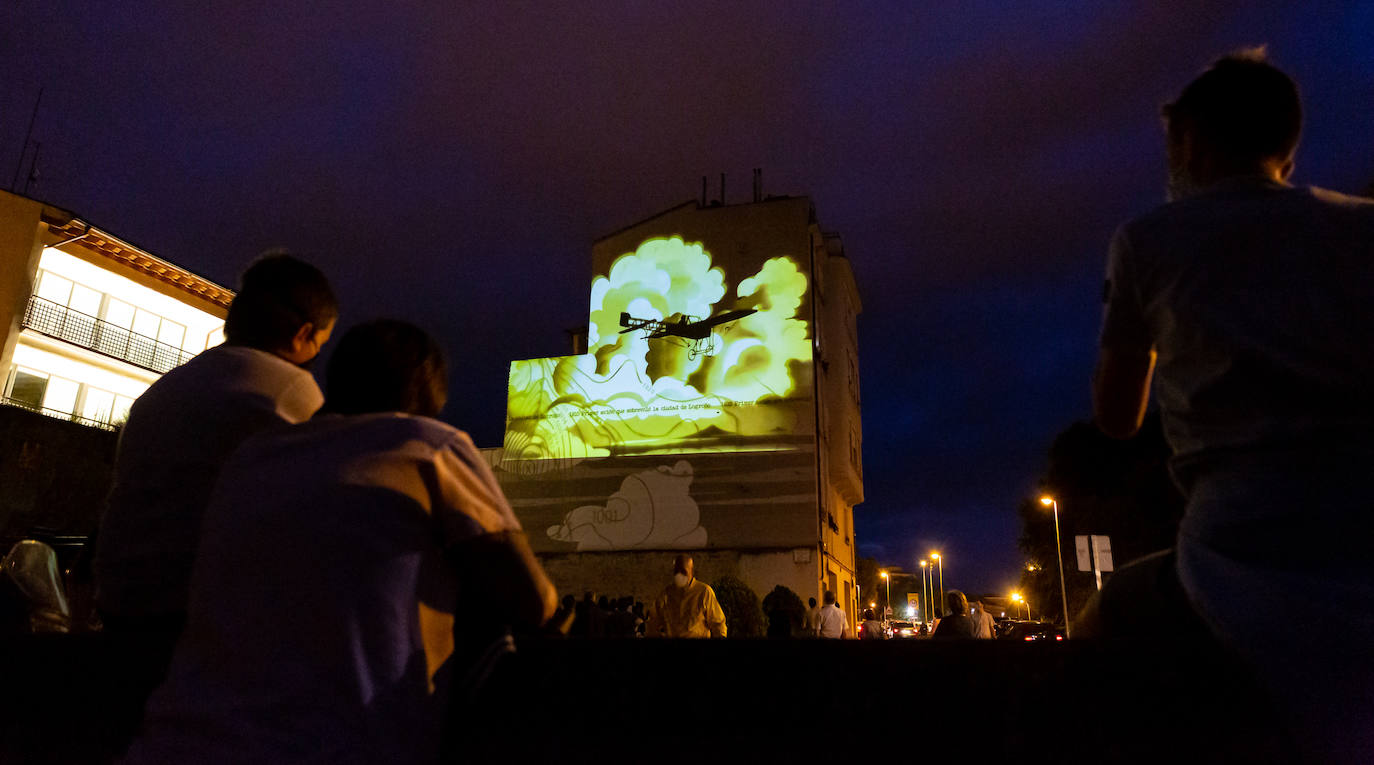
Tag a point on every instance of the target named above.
point(451, 163)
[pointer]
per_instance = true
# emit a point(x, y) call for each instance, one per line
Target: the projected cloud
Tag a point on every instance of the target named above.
point(652, 509)
point(632, 393)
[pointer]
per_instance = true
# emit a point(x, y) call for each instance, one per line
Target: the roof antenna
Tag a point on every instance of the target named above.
point(703, 191)
point(33, 168)
point(14, 184)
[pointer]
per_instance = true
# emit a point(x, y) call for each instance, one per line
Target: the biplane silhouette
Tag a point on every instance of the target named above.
point(695, 331)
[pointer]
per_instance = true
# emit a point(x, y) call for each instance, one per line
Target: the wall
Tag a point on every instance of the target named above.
point(53, 474)
point(19, 253)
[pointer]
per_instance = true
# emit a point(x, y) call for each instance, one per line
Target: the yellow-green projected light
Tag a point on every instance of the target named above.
point(676, 363)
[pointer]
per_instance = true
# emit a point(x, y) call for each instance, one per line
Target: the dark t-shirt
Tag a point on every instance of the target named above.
point(954, 626)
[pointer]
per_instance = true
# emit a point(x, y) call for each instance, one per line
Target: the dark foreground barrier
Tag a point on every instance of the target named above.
point(65, 699)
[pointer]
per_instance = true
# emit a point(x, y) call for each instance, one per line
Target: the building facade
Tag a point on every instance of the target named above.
point(714, 410)
point(91, 321)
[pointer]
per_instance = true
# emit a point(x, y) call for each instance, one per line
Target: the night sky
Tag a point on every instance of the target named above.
point(452, 166)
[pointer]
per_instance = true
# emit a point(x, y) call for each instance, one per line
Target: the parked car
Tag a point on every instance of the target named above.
point(1023, 630)
point(902, 628)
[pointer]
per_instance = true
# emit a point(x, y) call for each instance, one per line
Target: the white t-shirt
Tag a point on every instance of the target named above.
point(833, 622)
point(321, 603)
point(179, 433)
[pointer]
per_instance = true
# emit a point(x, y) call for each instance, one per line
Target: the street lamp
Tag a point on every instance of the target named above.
point(1016, 598)
point(941, 563)
point(887, 604)
point(925, 593)
point(1049, 501)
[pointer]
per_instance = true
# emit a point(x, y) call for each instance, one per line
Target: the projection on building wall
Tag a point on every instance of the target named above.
point(687, 353)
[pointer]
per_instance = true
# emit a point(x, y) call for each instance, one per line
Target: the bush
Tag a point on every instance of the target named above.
point(743, 617)
point(785, 606)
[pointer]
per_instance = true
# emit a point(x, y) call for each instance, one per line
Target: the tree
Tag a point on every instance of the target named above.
point(784, 609)
point(866, 576)
point(743, 617)
point(1120, 488)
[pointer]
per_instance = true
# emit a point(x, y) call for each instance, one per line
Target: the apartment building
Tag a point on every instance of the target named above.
point(89, 320)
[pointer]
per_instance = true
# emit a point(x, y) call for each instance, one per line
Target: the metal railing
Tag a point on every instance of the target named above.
point(87, 331)
point(59, 414)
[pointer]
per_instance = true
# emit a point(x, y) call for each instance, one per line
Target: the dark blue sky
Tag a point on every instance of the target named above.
point(453, 165)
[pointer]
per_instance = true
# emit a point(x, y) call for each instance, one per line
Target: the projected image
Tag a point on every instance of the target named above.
point(652, 509)
point(683, 356)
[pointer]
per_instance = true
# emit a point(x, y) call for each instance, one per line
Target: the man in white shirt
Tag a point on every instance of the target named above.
point(1248, 302)
point(983, 623)
point(834, 623)
point(347, 552)
point(183, 428)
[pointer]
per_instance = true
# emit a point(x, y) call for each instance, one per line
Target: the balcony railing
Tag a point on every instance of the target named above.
point(78, 328)
point(59, 414)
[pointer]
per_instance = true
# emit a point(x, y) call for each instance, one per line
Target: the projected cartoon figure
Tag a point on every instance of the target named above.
point(652, 509)
point(739, 379)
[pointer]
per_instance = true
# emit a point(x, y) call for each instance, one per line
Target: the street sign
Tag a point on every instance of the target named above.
point(1102, 551)
point(1085, 561)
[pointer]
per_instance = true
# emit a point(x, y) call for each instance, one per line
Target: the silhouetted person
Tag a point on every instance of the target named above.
point(687, 608)
point(178, 436)
point(561, 622)
point(872, 628)
point(325, 612)
point(811, 623)
point(1248, 302)
point(984, 626)
point(956, 622)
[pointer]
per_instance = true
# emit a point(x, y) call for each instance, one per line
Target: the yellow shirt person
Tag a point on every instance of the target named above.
point(687, 608)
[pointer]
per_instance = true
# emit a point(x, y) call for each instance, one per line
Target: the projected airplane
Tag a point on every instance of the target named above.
point(698, 331)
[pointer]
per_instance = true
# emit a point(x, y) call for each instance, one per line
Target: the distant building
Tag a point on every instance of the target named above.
point(712, 407)
point(90, 321)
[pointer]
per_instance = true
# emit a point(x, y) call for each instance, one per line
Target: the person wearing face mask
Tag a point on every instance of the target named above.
point(687, 608)
point(178, 436)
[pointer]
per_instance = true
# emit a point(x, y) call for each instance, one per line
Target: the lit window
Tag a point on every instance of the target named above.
point(171, 333)
point(27, 387)
point(98, 405)
point(53, 287)
point(61, 395)
point(85, 300)
point(146, 323)
point(119, 313)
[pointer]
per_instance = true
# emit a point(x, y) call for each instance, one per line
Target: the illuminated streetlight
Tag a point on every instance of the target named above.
point(1049, 501)
point(887, 604)
point(1016, 598)
point(925, 593)
point(941, 563)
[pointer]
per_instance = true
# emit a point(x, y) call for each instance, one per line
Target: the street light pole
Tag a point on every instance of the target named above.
point(1059, 556)
point(887, 602)
point(925, 595)
point(939, 560)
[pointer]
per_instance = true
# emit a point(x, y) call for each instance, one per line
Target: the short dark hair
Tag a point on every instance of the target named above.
point(278, 295)
point(1243, 108)
point(386, 366)
point(811, 601)
point(829, 598)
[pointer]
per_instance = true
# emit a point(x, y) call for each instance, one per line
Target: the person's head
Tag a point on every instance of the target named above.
point(811, 602)
point(976, 605)
point(284, 306)
point(1240, 117)
point(868, 614)
point(683, 570)
point(829, 598)
point(955, 603)
point(386, 366)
